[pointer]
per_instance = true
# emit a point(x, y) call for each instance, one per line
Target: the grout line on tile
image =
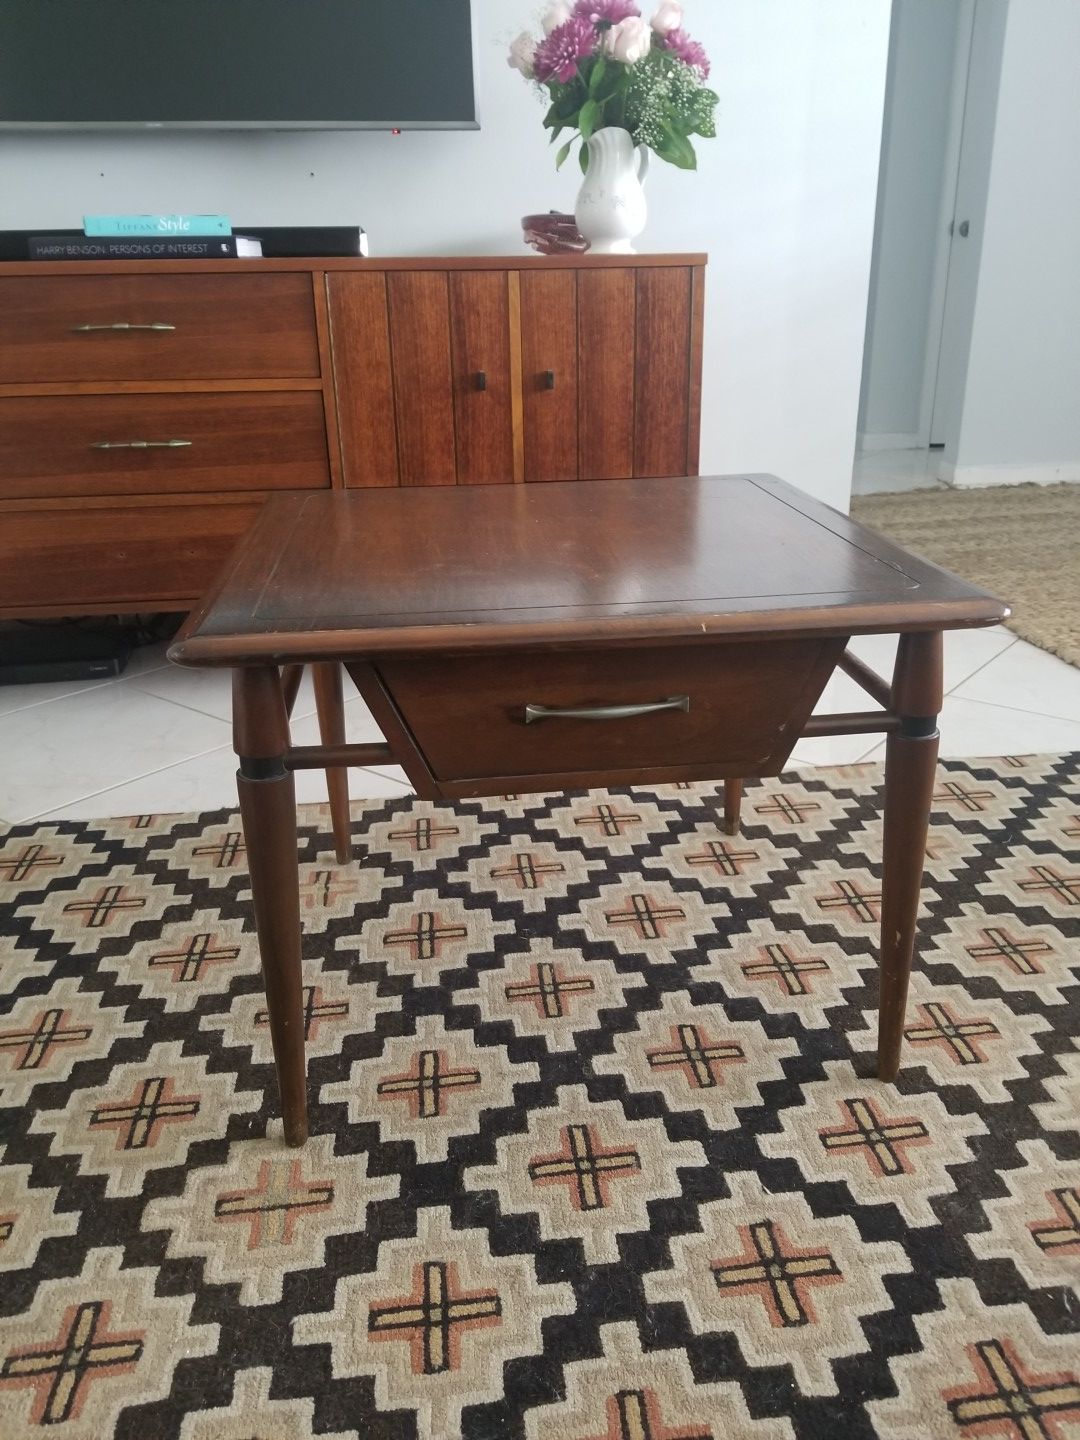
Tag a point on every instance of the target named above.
point(979, 668)
point(143, 775)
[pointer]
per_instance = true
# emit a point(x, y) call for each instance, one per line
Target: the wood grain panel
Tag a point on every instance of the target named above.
point(549, 344)
point(363, 381)
point(483, 411)
point(423, 377)
point(269, 441)
point(606, 306)
point(662, 380)
point(240, 326)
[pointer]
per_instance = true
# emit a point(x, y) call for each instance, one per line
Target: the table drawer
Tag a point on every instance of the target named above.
point(184, 327)
point(743, 707)
point(211, 441)
point(123, 556)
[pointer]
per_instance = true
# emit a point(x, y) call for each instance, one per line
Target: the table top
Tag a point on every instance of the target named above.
point(594, 561)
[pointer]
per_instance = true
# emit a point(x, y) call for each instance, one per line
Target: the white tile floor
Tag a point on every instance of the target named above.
point(158, 739)
point(876, 471)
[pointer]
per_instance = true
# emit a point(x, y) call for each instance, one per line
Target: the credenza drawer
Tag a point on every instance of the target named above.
point(156, 327)
point(133, 556)
point(739, 706)
point(162, 444)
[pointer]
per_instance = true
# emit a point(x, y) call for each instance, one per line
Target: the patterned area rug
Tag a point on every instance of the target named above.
point(1021, 542)
point(596, 1150)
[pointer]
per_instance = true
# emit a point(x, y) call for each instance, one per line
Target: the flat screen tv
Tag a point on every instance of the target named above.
point(236, 64)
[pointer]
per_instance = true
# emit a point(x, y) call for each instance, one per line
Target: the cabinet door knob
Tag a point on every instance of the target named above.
point(549, 379)
point(481, 380)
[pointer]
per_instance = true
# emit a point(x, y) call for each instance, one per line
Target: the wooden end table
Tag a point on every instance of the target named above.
point(567, 636)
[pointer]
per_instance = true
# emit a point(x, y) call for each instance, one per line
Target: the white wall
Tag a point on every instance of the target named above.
point(922, 53)
point(1020, 416)
point(783, 203)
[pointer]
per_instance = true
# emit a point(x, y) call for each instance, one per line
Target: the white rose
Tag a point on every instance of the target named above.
point(522, 54)
point(668, 17)
point(558, 12)
point(628, 41)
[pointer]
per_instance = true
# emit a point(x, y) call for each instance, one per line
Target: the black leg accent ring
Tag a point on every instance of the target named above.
point(918, 727)
point(273, 769)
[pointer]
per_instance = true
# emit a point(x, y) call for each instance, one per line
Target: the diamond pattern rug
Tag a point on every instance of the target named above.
point(597, 1153)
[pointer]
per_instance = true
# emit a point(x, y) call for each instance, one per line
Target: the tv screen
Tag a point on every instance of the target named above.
point(225, 64)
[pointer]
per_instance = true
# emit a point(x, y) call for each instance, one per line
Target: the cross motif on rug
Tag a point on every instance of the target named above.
point(958, 794)
point(38, 1042)
point(863, 904)
point(1063, 1232)
point(635, 1415)
point(788, 808)
point(316, 1010)
point(427, 935)
point(546, 989)
point(103, 907)
point(141, 1119)
point(281, 1197)
point(322, 887)
point(424, 1087)
point(188, 963)
point(1000, 945)
point(609, 821)
point(1065, 888)
point(584, 1166)
point(61, 1369)
point(1018, 1403)
point(424, 834)
point(23, 865)
point(777, 1272)
point(700, 1058)
point(943, 1028)
point(226, 850)
point(648, 919)
point(786, 969)
point(432, 1317)
point(7, 1228)
point(526, 873)
point(882, 1141)
point(723, 858)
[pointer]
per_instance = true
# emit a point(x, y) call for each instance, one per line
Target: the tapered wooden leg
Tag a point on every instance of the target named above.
point(331, 707)
point(910, 768)
point(268, 811)
point(732, 805)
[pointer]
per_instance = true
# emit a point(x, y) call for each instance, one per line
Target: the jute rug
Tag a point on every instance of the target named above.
point(596, 1151)
point(1021, 542)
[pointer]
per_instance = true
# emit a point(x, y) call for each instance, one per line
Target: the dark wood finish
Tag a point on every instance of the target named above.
point(423, 377)
point(697, 352)
point(233, 325)
point(268, 813)
point(266, 441)
point(877, 688)
point(549, 361)
point(363, 378)
point(483, 410)
point(386, 715)
point(662, 371)
point(321, 302)
point(347, 264)
point(119, 557)
point(860, 722)
point(321, 757)
point(733, 793)
point(291, 677)
point(330, 704)
point(747, 705)
point(606, 305)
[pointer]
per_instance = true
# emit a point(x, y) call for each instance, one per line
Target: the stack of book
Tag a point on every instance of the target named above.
point(146, 237)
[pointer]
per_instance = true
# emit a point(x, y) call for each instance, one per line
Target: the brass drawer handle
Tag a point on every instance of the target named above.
point(605, 712)
point(140, 444)
point(119, 325)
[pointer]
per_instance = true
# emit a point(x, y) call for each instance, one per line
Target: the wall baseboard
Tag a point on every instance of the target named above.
point(973, 476)
point(876, 440)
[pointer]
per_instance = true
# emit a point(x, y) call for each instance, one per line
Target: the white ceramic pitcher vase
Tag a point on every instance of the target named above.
point(611, 209)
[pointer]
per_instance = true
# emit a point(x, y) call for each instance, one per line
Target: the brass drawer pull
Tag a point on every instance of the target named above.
point(605, 712)
point(119, 325)
point(140, 444)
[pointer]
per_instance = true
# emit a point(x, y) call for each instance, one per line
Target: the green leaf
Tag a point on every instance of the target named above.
point(583, 159)
point(676, 149)
point(556, 133)
point(589, 118)
point(564, 150)
point(596, 79)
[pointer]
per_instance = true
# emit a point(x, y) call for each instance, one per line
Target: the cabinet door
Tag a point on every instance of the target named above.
point(483, 408)
point(606, 300)
point(363, 380)
point(549, 373)
point(423, 376)
point(663, 362)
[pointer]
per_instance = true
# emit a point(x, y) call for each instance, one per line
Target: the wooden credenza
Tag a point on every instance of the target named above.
point(147, 409)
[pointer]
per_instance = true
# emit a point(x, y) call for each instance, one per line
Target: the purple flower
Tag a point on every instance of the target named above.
point(557, 56)
point(612, 11)
point(690, 52)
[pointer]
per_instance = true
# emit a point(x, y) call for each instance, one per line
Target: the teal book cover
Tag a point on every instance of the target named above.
point(174, 227)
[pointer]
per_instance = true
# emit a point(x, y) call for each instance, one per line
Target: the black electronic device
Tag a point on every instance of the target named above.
point(44, 654)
